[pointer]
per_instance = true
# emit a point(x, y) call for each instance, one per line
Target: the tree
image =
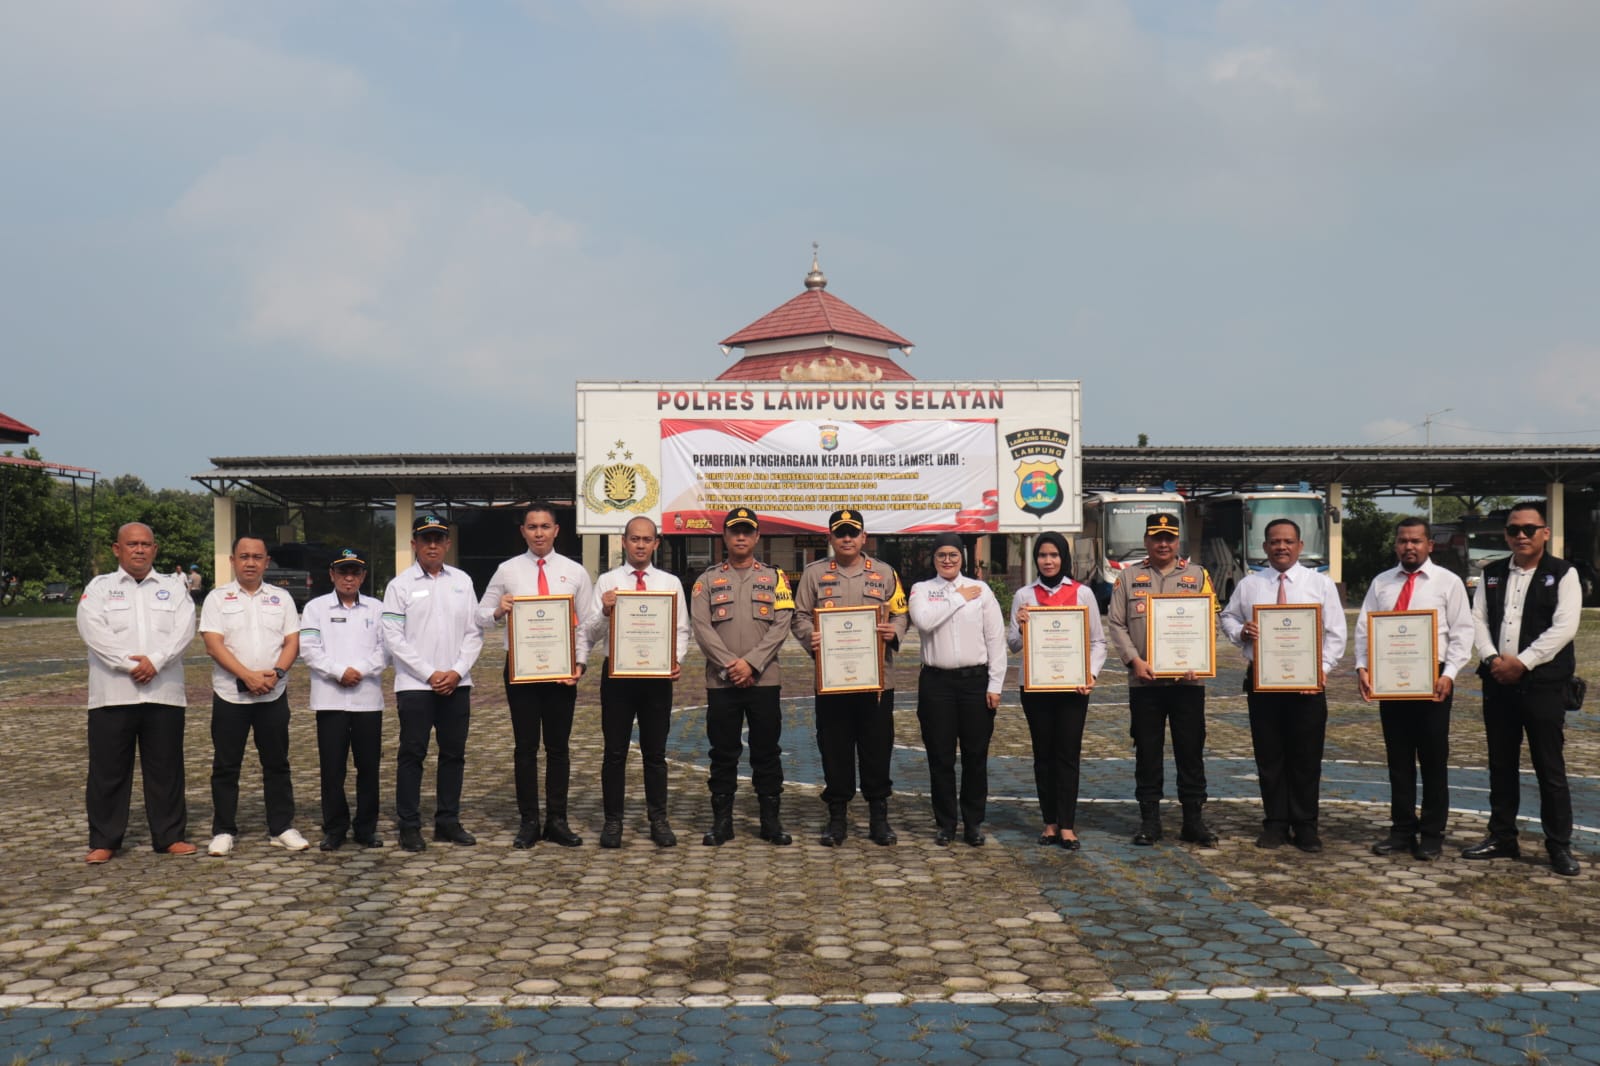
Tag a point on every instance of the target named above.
point(37, 540)
point(1368, 540)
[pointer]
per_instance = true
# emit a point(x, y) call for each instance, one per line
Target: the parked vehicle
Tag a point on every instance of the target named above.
point(55, 592)
point(302, 569)
point(1113, 533)
point(1235, 528)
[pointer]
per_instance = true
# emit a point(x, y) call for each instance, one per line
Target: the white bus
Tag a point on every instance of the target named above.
point(1235, 527)
point(1113, 533)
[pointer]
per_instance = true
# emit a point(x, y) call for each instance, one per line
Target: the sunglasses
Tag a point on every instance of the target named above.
point(1523, 531)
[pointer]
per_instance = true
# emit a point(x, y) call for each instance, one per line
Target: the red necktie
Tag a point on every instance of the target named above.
point(1405, 594)
point(1283, 587)
point(544, 585)
point(638, 581)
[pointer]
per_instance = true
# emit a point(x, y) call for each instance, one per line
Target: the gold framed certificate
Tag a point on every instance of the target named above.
point(1180, 634)
point(644, 634)
point(1055, 649)
point(1402, 654)
point(543, 639)
point(849, 654)
point(1288, 655)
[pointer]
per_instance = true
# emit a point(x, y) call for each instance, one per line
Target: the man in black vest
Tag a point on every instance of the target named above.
point(1525, 615)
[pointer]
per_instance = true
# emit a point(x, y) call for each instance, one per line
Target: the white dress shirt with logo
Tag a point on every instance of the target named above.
point(119, 617)
point(334, 638)
point(430, 623)
point(253, 628)
point(958, 632)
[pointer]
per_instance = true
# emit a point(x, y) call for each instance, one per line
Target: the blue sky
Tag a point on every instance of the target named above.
point(299, 228)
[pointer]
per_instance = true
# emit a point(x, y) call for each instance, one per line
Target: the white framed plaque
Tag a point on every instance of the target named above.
point(1402, 654)
point(1181, 634)
point(543, 639)
point(1055, 649)
point(850, 653)
point(644, 634)
point(1288, 654)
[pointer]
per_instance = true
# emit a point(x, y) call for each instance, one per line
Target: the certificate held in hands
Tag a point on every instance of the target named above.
point(1288, 653)
point(1181, 634)
point(543, 639)
point(850, 653)
point(1055, 649)
point(1402, 654)
point(644, 634)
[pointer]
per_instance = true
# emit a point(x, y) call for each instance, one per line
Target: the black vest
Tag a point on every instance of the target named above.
point(1538, 611)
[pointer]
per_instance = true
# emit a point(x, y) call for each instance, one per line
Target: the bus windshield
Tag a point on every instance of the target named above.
point(1125, 521)
point(1307, 514)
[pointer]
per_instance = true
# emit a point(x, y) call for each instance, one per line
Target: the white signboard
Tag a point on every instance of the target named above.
point(915, 457)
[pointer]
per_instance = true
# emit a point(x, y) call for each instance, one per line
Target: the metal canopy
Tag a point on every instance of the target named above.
point(473, 480)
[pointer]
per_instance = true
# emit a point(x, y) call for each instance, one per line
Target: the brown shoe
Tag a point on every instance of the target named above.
point(98, 856)
point(182, 847)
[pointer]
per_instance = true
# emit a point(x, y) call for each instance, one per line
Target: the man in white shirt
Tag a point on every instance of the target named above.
point(622, 699)
point(1287, 729)
point(542, 709)
point(341, 640)
point(1525, 616)
point(430, 629)
point(1416, 733)
point(136, 624)
point(958, 691)
point(252, 634)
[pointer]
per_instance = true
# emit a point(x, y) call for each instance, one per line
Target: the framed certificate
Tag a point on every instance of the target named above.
point(1288, 656)
point(850, 655)
point(644, 634)
point(1181, 634)
point(1402, 654)
point(543, 639)
point(1055, 649)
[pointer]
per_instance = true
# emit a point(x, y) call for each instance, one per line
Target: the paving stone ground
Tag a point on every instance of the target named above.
point(750, 953)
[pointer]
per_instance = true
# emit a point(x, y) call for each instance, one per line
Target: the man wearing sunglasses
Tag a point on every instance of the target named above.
point(1525, 615)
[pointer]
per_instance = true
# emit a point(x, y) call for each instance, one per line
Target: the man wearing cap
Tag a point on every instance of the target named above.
point(856, 725)
point(430, 630)
point(622, 699)
point(252, 634)
point(341, 640)
point(740, 612)
point(1157, 704)
point(542, 709)
point(136, 624)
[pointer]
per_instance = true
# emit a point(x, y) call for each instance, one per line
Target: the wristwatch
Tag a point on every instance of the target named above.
point(281, 672)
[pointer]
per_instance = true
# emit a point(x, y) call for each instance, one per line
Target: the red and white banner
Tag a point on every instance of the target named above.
point(921, 476)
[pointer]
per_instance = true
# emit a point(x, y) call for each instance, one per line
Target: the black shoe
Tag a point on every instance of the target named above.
point(1272, 838)
point(721, 821)
point(1308, 841)
point(611, 833)
point(1562, 860)
point(527, 837)
point(411, 840)
point(369, 840)
point(1071, 843)
point(557, 832)
point(1492, 848)
point(1195, 830)
point(772, 830)
point(1391, 844)
point(1149, 824)
point(452, 833)
point(1427, 850)
point(879, 831)
point(1047, 840)
point(661, 834)
point(944, 836)
point(332, 842)
point(834, 833)
point(973, 836)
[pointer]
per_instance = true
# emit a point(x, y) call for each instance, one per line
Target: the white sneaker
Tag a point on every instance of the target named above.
point(221, 845)
point(290, 838)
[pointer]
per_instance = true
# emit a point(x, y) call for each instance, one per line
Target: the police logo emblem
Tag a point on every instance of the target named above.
point(829, 437)
point(627, 487)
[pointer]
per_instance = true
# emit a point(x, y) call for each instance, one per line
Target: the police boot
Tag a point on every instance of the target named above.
point(721, 820)
point(661, 833)
point(771, 827)
point(1149, 823)
point(878, 829)
point(1195, 830)
point(836, 830)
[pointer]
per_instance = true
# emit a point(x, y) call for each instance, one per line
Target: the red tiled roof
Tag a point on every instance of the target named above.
point(11, 427)
point(815, 311)
point(815, 364)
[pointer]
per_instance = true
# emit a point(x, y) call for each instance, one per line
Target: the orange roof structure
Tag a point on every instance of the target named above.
point(14, 432)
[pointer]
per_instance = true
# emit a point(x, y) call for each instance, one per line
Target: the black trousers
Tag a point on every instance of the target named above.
point(541, 711)
point(728, 712)
point(1055, 722)
point(1509, 713)
point(1153, 710)
point(342, 735)
point(156, 730)
point(952, 708)
point(856, 728)
point(1416, 736)
point(449, 718)
point(1288, 730)
point(622, 701)
point(231, 726)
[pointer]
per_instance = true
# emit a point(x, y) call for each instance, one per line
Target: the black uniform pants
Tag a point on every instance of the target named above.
point(342, 735)
point(1287, 730)
point(1153, 710)
point(541, 712)
point(622, 700)
point(231, 726)
point(953, 709)
point(1509, 713)
point(156, 730)
point(1055, 722)
point(728, 711)
point(856, 728)
point(1416, 736)
point(449, 718)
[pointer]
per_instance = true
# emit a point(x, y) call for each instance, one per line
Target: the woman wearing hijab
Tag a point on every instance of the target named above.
point(1055, 719)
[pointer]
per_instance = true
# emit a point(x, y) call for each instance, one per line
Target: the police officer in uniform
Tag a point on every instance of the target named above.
point(855, 725)
point(1158, 704)
point(740, 612)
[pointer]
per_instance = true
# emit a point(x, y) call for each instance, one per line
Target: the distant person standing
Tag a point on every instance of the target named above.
point(197, 586)
point(137, 625)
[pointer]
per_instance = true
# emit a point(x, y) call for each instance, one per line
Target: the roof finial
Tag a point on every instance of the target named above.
point(816, 279)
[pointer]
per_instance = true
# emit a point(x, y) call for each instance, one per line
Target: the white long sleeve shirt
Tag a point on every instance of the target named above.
point(253, 627)
point(519, 576)
point(333, 638)
point(958, 632)
point(1027, 596)
point(119, 617)
point(1435, 589)
point(1305, 586)
point(1563, 627)
point(623, 579)
point(430, 623)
